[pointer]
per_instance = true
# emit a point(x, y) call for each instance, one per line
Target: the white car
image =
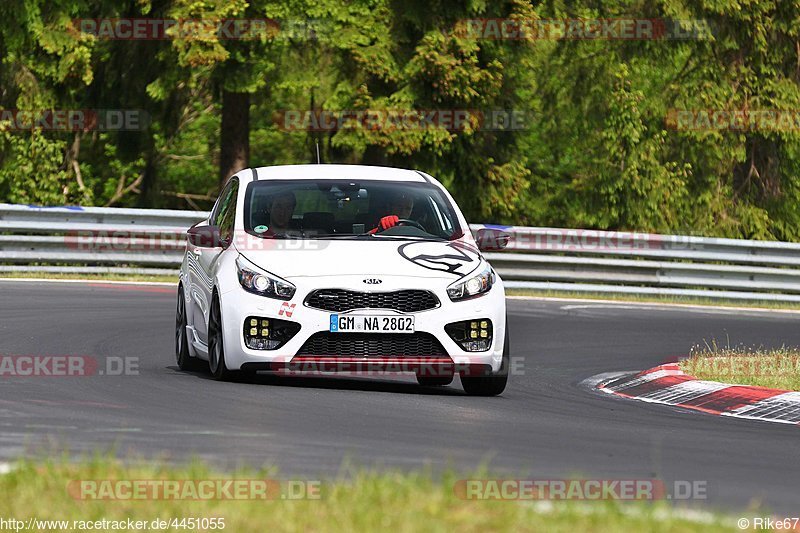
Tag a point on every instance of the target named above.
point(342, 268)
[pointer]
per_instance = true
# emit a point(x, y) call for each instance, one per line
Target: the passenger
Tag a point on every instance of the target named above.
point(281, 209)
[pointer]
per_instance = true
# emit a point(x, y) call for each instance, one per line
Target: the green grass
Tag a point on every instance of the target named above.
point(684, 300)
point(91, 277)
point(358, 501)
point(776, 368)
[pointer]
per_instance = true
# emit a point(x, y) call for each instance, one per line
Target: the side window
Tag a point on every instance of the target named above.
point(212, 220)
point(222, 201)
point(226, 214)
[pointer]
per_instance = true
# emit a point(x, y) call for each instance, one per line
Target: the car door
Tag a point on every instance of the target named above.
point(204, 259)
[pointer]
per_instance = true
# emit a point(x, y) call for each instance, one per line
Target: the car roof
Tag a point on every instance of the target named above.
point(337, 172)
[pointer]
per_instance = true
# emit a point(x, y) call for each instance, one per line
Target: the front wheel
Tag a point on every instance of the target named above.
point(216, 346)
point(491, 385)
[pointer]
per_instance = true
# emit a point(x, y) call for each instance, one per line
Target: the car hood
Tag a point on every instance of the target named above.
point(315, 258)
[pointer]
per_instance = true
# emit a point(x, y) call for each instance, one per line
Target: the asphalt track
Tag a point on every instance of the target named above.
point(546, 425)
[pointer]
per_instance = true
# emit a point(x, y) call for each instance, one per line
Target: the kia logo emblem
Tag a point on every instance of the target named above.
point(372, 281)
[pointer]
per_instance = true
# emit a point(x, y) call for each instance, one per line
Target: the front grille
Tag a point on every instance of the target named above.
point(376, 344)
point(340, 300)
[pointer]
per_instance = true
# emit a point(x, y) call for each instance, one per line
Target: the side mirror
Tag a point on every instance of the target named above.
point(491, 240)
point(204, 236)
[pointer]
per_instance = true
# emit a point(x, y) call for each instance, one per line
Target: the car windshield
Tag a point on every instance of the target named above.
point(332, 209)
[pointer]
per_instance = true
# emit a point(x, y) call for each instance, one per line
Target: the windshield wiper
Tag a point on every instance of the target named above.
point(412, 237)
point(338, 236)
point(353, 236)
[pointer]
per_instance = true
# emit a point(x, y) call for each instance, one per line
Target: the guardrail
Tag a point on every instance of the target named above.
point(93, 239)
point(151, 241)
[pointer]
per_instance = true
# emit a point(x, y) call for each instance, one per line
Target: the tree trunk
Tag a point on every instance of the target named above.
point(234, 134)
point(146, 186)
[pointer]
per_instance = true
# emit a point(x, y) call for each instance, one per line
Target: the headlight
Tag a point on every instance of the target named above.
point(472, 286)
point(257, 281)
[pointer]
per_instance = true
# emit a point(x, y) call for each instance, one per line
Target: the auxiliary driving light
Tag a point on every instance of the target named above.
point(471, 335)
point(272, 334)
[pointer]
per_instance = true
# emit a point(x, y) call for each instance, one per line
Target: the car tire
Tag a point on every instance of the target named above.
point(493, 384)
point(434, 381)
point(216, 346)
point(182, 356)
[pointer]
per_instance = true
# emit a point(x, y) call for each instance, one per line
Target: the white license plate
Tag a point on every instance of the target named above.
point(372, 323)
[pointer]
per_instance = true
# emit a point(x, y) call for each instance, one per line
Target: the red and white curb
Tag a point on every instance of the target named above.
point(669, 385)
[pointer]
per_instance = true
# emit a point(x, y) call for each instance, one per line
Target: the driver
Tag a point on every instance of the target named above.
point(398, 208)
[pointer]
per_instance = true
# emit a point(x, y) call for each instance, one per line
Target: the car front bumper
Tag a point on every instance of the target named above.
point(237, 305)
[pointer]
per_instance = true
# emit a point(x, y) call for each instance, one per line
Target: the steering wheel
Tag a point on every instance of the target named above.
point(408, 222)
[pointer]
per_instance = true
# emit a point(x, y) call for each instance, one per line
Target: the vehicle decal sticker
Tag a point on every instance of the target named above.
point(286, 309)
point(459, 261)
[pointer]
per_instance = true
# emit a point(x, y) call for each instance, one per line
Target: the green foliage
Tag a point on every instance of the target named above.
point(633, 186)
point(32, 170)
point(597, 150)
